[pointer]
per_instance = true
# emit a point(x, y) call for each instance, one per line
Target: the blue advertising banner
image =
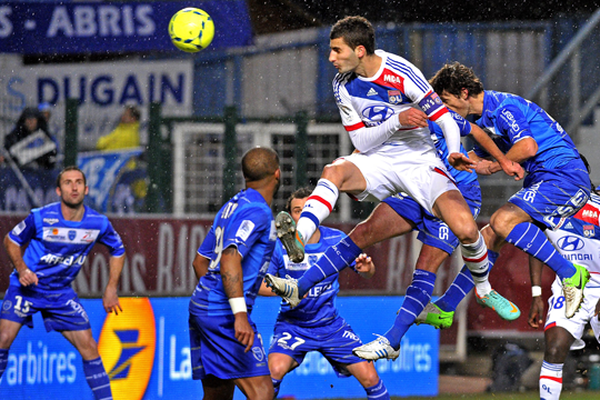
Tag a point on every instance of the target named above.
point(146, 353)
point(111, 27)
point(102, 170)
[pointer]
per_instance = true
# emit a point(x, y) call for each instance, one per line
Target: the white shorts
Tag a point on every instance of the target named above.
point(391, 169)
point(576, 325)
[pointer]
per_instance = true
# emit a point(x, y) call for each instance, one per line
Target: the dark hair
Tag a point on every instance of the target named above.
point(301, 193)
point(259, 163)
point(455, 77)
point(355, 31)
point(70, 168)
point(135, 112)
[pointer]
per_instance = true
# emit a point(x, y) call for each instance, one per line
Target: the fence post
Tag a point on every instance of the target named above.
point(229, 153)
point(301, 148)
point(160, 191)
point(71, 130)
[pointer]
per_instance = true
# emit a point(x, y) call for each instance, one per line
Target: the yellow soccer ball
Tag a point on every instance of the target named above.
point(191, 29)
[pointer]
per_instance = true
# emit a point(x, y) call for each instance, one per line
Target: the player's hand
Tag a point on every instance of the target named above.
point(110, 301)
point(536, 313)
point(462, 162)
point(243, 331)
point(364, 265)
point(413, 117)
point(484, 167)
point(512, 168)
point(28, 277)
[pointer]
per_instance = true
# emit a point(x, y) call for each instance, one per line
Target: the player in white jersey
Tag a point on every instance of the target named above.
point(578, 240)
point(385, 103)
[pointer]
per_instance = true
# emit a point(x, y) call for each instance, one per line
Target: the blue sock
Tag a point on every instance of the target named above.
point(276, 385)
point(335, 259)
point(377, 392)
point(529, 238)
point(3, 360)
point(417, 296)
point(97, 378)
point(461, 286)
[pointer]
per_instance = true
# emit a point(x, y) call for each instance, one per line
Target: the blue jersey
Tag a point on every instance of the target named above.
point(58, 248)
point(318, 308)
point(511, 118)
point(246, 222)
point(463, 178)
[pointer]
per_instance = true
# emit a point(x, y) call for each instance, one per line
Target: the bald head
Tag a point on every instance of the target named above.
point(259, 163)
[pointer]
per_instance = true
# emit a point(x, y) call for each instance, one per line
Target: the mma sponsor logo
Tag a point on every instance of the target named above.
point(127, 345)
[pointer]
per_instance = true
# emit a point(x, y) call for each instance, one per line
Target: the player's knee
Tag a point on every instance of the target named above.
point(554, 353)
point(333, 173)
point(6, 339)
point(278, 370)
point(369, 378)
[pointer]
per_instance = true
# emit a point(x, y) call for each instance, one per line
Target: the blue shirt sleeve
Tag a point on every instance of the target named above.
point(111, 239)
point(245, 228)
point(207, 247)
point(24, 231)
point(512, 123)
point(277, 263)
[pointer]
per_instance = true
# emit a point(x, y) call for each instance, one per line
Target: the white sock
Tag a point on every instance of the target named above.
point(318, 206)
point(551, 381)
point(475, 257)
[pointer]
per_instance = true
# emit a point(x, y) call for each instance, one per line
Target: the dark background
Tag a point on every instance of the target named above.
point(270, 16)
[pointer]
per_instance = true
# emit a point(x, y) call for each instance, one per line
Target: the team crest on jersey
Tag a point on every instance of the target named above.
point(72, 235)
point(127, 345)
point(589, 231)
point(394, 96)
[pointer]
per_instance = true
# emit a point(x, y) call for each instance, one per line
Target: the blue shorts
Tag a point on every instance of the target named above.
point(432, 230)
point(61, 311)
point(215, 350)
point(549, 197)
point(335, 342)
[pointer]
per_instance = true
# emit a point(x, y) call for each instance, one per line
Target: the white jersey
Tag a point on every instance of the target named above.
point(578, 240)
point(369, 108)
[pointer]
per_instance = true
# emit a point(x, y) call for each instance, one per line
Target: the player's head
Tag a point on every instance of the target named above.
point(295, 203)
point(350, 39)
point(130, 115)
point(260, 166)
point(456, 85)
point(71, 186)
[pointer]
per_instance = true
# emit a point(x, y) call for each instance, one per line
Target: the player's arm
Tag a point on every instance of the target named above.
point(110, 299)
point(536, 312)
point(364, 266)
point(200, 265)
point(233, 285)
point(503, 163)
point(15, 254)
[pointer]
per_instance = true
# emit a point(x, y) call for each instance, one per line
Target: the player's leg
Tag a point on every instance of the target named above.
point(217, 389)
point(545, 203)
point(366, 375)
point(382, 224)
point(558, 341)
point(94, 371)
point(454, 211)
point(279, 365)
point(256, 387)
point(340, 176)
point(8, 333)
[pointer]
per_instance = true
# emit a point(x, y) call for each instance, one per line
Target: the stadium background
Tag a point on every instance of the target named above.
point(201, 112)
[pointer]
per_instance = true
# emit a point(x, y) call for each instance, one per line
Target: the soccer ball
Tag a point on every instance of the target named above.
point(191, 29)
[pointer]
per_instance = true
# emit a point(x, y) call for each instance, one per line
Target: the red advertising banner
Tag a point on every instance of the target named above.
point(160, 252)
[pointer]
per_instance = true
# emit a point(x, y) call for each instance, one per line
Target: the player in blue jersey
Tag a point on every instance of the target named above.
point(578, 239)
point(315, 324)
point(226, 349)
point(47, 250)
point(385, 104)
point(400, 214)
point(557, 184)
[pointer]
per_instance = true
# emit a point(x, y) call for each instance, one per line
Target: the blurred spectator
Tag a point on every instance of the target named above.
point(126, 134)
point(46, 110)
point(30, 144)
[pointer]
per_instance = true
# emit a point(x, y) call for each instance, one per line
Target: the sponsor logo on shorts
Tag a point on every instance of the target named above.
point(127, 345)
point(6, 305)
point(258, 353)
